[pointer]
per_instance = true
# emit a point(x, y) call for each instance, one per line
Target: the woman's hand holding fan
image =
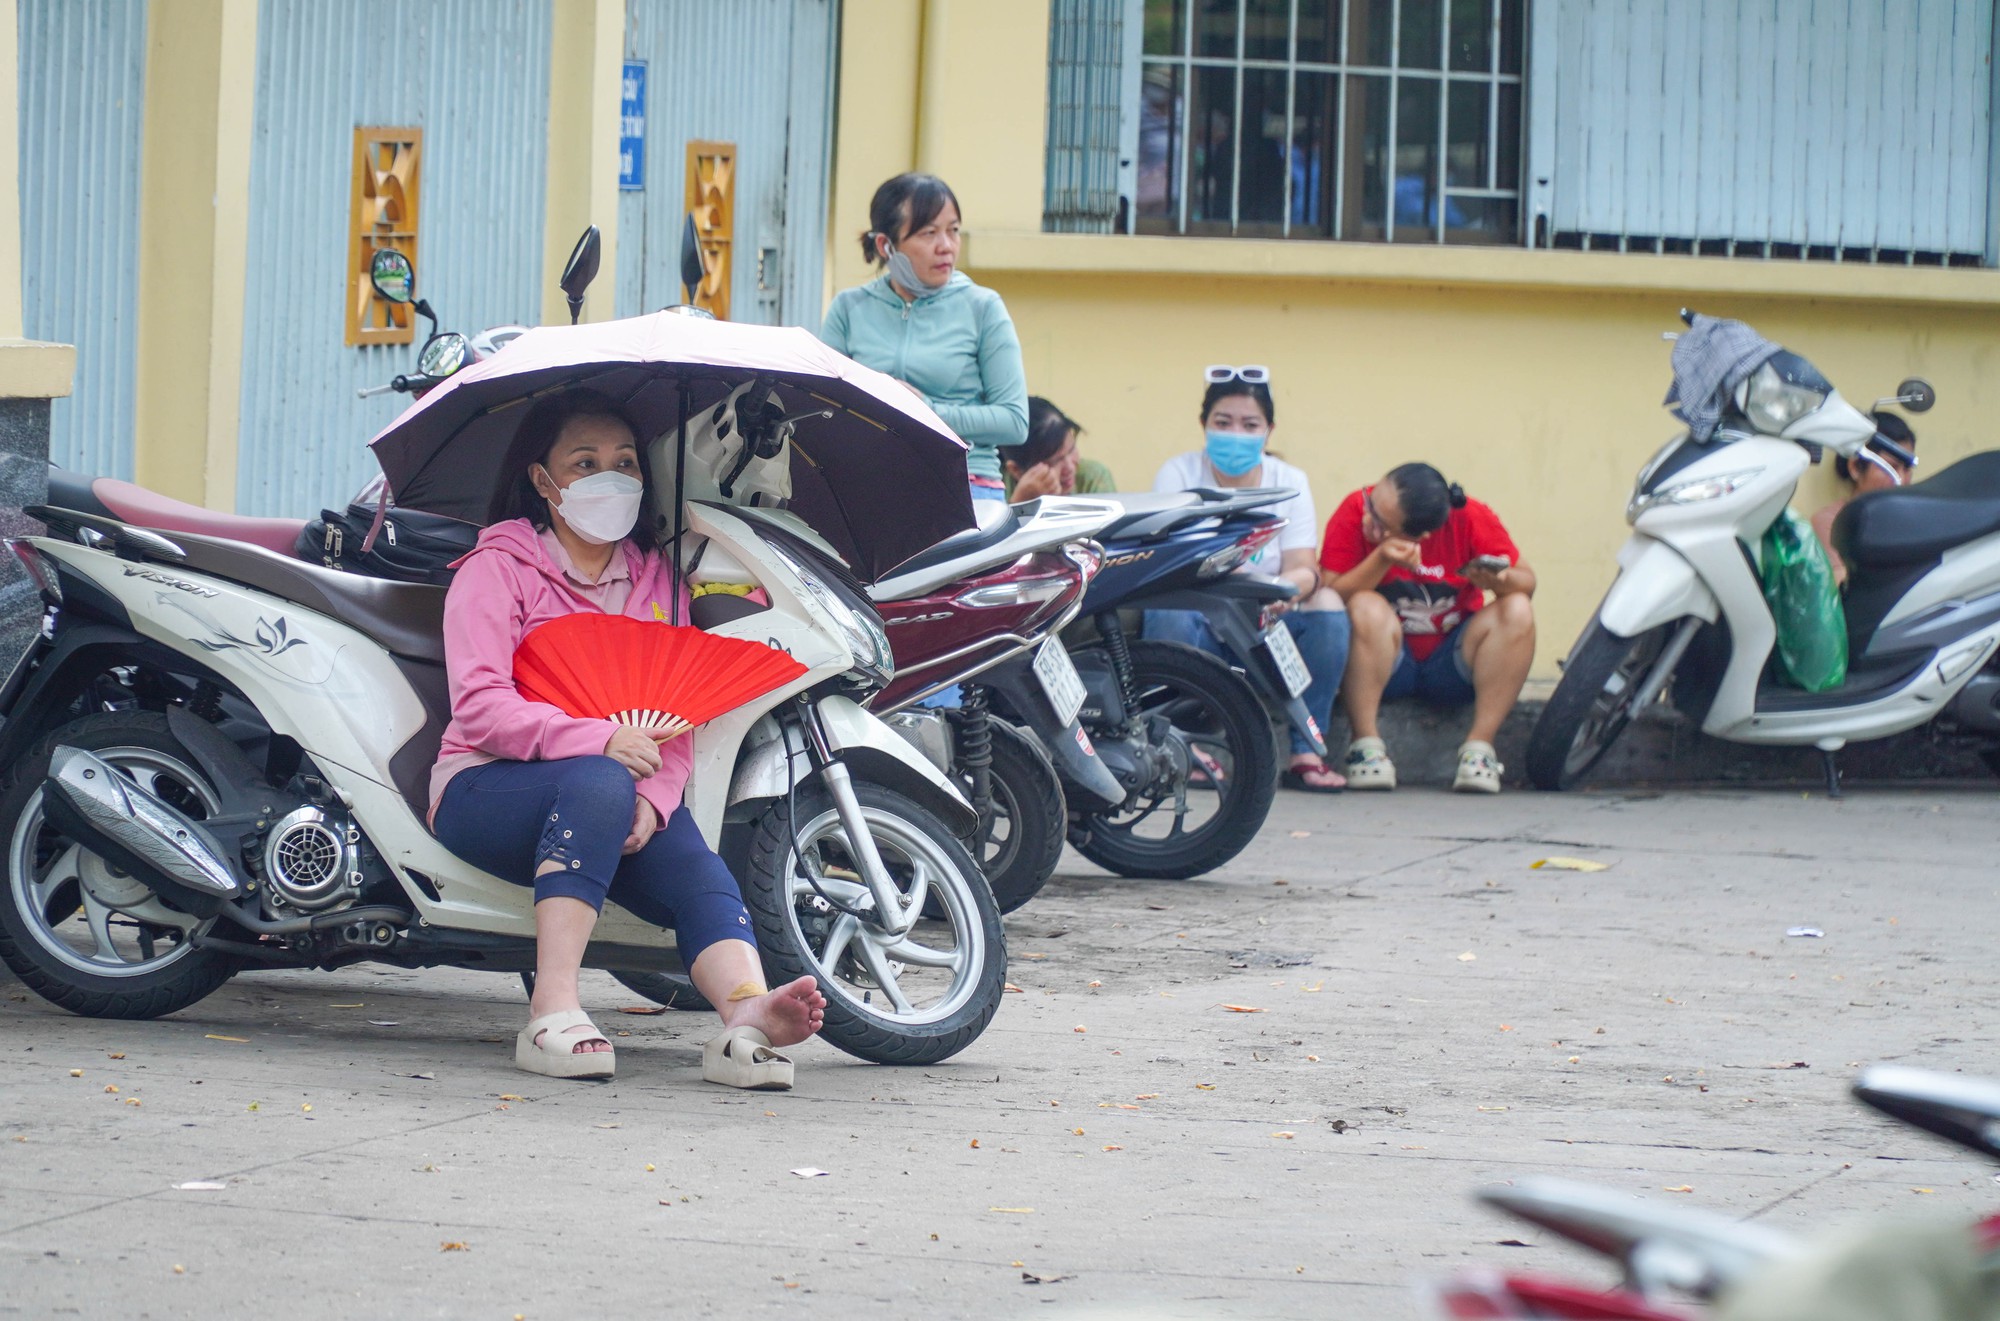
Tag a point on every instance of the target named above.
point(659, 678)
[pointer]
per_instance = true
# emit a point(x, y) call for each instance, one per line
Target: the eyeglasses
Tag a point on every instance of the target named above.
point(1257, 374)
point(1368, 508)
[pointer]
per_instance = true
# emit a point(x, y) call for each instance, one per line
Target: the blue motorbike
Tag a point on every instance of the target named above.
point(1186, 734)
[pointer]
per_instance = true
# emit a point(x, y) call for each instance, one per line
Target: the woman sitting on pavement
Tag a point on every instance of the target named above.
point(1048, 463)
point(1237, 415)
point(584, 809)
point(1414, 559)
point(1861, 477)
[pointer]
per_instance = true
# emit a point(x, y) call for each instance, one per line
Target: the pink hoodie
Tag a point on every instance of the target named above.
point(506, 586)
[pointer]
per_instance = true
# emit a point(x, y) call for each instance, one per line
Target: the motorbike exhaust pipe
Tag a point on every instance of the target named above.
point(86, 799)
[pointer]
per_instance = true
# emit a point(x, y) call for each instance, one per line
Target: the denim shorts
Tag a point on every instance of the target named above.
point(1442, 678)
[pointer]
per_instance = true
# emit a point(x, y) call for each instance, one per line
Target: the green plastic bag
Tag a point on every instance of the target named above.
point(1805, 605)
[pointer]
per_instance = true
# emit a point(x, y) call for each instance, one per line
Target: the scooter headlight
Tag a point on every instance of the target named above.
point(860, 628)
point(1692, 492)
point(1772, 403)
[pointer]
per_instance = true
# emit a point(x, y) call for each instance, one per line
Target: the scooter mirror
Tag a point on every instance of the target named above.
point(442, 355)
point(693, 269)
point(1916, 395)
point(392, 275)
point(581, 270)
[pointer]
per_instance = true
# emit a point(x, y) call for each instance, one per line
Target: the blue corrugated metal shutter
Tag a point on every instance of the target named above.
point(474, 75)
point(1856, 130)
point(82, 101)
point(757, 73)
point(1087, 58)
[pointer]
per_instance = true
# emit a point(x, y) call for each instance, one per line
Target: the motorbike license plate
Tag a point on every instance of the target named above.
point(1060, 680)
point(1286, 652)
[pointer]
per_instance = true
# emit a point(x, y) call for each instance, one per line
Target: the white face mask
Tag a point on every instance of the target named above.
point(601, 508)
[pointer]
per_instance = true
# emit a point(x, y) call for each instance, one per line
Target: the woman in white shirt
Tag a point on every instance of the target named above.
point(1237, 416)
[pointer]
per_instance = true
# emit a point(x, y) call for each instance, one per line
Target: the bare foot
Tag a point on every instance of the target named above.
point(786, 1016)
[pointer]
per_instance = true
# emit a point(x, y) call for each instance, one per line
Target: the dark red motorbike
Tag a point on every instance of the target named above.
point(981, 612)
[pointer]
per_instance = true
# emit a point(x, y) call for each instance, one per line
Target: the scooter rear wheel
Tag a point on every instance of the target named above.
point(1592, 704)
point(1223, 750)
point(77, 931)
point(1020, 847)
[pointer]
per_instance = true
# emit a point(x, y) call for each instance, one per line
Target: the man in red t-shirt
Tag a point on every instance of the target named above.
point(1414, 559)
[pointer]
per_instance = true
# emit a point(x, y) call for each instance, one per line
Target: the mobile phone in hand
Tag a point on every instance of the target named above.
point(1488, 563)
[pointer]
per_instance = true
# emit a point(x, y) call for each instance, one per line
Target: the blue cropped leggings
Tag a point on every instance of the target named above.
point(509, 817)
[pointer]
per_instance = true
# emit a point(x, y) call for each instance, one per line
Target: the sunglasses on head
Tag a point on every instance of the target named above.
point(1257, 374)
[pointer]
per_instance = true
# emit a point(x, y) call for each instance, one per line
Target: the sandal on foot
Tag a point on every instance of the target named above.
point(1368, 766)
point(1479, 770)
point(1301, 778)
point(742, 1057)
point(563, 1061)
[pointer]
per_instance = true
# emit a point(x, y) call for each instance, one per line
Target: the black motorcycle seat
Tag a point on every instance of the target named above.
point(959, 544)
point(406, 618)
point(1910, 525)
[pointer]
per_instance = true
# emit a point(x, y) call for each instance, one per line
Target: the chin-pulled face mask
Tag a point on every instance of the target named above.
point(904, 273)
point(601, 508)
point(1233, 453)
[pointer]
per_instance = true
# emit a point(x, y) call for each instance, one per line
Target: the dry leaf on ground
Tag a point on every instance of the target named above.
point(1243, 1009)
point(1569, 864)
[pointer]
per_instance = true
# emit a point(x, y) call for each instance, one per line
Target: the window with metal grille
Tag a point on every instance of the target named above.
point(1380, 120)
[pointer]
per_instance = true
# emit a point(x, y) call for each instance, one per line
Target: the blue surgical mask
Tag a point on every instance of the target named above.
point(1233, 453)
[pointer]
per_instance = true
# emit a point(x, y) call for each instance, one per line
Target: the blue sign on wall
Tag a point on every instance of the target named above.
point(632, 126)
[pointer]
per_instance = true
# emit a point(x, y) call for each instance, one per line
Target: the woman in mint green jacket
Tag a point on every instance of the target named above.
point(927, 324)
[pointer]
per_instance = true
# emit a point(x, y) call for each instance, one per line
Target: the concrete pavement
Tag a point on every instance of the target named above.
point(1433, 1015)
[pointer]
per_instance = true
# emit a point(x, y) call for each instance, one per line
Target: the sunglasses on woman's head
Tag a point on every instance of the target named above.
point(1257, 374)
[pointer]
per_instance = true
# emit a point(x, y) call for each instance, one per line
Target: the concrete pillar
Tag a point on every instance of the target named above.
point(586, 64)
point(194, 210)
point(31, 373)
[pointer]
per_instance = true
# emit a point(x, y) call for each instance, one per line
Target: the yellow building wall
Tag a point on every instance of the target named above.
point(1532, 378)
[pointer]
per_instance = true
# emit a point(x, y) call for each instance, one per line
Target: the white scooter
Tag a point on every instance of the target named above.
point(217, 757)
point(1687, 614)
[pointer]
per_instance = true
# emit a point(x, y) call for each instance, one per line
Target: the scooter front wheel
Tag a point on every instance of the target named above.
point(1592, 704)
point(914, 997)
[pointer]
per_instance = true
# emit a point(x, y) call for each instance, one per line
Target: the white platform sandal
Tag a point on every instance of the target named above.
point(555, 1055)
point(742, 1057)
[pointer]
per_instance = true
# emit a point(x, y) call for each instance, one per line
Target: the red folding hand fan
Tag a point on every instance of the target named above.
point(649, 675)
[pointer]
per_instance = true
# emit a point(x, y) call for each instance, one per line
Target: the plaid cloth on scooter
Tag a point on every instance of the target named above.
point(1711, 358)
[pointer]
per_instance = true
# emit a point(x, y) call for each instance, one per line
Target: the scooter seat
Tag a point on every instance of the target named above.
point(406, 618)
point(1912, 525)
point(961, 544)
point(143, 508)
point(1154, 513)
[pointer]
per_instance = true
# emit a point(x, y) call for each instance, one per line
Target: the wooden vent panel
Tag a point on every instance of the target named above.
point(711, 200)
point(383, 214)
